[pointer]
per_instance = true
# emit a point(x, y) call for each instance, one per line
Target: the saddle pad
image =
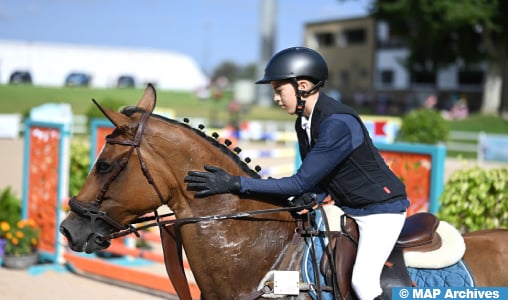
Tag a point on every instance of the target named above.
point(333, 213)
point(457, 275)
point(452, 249)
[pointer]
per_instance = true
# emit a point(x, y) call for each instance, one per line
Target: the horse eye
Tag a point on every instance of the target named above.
point(102, 166)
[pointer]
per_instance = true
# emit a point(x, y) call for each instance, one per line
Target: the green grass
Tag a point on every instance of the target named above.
point(21, 98)
point(478, 122)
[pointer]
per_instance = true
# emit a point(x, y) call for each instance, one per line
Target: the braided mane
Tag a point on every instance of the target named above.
point(130, 110)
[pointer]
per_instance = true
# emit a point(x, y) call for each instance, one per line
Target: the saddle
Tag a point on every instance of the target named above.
point(418, 234)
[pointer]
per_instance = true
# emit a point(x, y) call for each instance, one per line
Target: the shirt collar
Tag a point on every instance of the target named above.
point(306, 122)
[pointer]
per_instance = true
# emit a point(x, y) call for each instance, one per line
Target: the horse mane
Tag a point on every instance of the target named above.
point(130, 110)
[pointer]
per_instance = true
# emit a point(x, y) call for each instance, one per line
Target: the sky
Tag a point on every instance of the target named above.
point(210, 31)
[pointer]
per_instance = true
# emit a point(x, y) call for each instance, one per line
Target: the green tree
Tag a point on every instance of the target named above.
point(233, 72)
point(444, 32)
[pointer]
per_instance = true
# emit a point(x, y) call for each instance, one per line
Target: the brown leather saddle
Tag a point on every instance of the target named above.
point(418, 234)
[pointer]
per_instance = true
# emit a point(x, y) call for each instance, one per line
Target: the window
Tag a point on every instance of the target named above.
point(325, 39)
point(423, 77)
point(364, 73)
point(344, 78)
point(470, 77)
point(387, 77)
point(355, 36)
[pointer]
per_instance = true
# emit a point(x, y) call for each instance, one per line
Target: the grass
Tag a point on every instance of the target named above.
point(21, 98)
point(478, 122)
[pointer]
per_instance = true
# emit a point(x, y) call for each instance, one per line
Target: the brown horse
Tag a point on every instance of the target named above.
point(142, 167)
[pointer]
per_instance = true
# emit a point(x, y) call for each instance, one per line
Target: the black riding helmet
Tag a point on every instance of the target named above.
point(297, 63)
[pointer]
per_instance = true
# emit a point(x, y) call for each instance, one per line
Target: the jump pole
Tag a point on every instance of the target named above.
point(128, 277)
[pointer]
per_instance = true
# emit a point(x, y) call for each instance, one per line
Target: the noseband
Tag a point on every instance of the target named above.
point(92, 210)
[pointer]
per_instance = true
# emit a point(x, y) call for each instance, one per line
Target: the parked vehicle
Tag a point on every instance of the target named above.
point(20, 77)
point(78, 79)
point(125, 81)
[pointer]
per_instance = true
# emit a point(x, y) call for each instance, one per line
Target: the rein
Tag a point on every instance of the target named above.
point(94, 213)
point(159, 222)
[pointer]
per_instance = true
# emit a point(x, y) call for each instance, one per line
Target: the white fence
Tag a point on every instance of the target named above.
point(486, 146)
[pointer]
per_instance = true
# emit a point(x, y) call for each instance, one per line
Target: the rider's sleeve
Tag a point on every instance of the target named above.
point(339, 135)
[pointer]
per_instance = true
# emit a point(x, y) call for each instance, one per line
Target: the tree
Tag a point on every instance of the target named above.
point(442, 32)
point(232, 71)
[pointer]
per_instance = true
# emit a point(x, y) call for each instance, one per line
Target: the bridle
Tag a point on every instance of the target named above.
point(92, 210)
point(94, 213)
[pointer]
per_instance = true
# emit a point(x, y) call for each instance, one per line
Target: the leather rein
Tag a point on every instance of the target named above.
point(93, 211)
point(176, 272)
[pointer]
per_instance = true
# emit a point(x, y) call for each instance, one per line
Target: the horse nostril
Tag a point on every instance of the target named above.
point(66, 234)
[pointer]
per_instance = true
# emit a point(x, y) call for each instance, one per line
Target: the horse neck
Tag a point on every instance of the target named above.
point(196, 149)
point(223, 248)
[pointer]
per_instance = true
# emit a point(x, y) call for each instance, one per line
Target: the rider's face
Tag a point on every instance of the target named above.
point(284, 96)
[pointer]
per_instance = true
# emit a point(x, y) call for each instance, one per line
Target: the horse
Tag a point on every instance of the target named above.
point(231, 241)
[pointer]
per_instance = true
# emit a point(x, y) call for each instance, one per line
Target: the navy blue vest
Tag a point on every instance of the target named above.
point(363, 178)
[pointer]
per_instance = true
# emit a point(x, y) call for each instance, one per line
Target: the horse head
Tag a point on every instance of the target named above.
point(142, 167)
point(100, 207)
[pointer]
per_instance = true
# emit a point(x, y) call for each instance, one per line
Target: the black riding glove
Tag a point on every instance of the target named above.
point(215, 181)
point(304, 199)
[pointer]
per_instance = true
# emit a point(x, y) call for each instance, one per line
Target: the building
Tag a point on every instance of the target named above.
point(50, 64)
point(349, 49)
point(366, 65)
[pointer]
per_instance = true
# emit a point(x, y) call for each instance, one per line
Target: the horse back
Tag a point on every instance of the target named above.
point(487, 256)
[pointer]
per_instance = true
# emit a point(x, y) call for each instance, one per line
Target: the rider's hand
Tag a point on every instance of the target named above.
point(304, 199)
point(214, 181)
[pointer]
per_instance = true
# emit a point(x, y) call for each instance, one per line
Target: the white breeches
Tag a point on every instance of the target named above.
point(378, 235)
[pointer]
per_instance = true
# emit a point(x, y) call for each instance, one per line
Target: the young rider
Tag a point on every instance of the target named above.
point(338, 157)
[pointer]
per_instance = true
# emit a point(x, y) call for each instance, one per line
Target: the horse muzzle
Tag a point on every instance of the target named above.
point(82, 236)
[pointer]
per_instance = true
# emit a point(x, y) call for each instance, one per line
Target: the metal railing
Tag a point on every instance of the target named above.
point(486, 146)
point(463, 141)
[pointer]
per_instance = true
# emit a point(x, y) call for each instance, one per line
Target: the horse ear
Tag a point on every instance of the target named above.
point(118, 119)
point(149, 99)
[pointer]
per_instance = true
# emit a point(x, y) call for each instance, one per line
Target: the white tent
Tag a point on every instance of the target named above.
point(50, 63)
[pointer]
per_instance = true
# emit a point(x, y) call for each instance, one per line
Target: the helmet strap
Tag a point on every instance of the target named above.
point(300, 103)
point(313, 89)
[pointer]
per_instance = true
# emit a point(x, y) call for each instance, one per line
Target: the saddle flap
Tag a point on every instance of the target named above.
point(340, 257)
